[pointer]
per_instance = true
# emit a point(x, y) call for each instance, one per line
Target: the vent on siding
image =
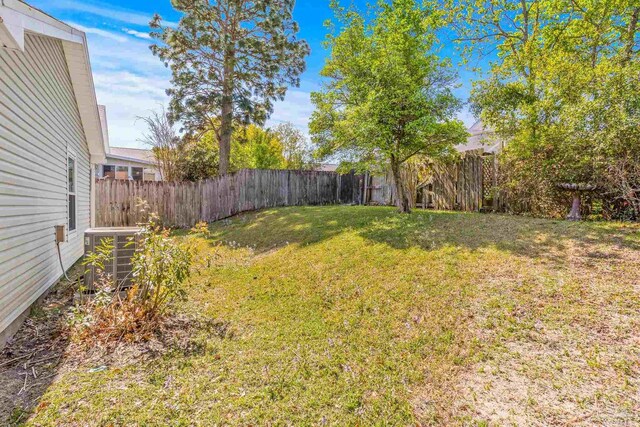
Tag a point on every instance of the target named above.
point(119, 266)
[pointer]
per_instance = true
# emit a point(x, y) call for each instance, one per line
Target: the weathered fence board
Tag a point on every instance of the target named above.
point(120, 203)
point(458, 185)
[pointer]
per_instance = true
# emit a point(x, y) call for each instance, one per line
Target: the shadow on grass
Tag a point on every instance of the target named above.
point(427, 230)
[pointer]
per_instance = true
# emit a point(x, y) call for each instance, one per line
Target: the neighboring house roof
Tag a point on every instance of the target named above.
point(327, 167)
point(481, 137)
point(16, 18)
point(139, 155)
point(135, 155)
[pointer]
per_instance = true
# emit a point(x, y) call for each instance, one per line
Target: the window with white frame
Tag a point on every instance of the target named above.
point(71, 191)
point(136, 173)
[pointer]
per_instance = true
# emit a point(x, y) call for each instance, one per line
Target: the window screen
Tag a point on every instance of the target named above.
point(109, 171)
point(136, 174)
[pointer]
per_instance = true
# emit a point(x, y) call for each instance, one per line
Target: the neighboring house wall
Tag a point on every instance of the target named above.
point(327, 167)
point(481, 137)
point(124, 169)
point(39, 124)
point(125, 163)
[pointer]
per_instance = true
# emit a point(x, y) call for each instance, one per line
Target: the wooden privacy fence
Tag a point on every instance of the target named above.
point(464, 185)
point(459, 185)
point(183, 204)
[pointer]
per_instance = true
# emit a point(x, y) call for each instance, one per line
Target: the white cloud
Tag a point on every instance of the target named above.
point(129, 81)
point(296, 109)
point(138, 34)
point(108, 11)
point(128, 96)
point(98, 32)
point(134, 55)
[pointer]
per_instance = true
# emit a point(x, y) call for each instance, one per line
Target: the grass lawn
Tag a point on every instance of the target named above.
point(360, 316)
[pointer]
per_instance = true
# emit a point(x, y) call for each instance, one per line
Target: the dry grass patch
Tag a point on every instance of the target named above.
point(567, 341)
point(360, 316)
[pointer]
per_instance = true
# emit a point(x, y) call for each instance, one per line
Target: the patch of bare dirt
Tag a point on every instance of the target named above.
point(569, 352)
point(31, 360)
point(177, 333)
point(43, 349)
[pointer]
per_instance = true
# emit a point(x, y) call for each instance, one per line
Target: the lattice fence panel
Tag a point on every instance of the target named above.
point(489, 176)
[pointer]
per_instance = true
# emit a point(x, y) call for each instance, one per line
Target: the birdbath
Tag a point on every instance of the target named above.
point(576, 190)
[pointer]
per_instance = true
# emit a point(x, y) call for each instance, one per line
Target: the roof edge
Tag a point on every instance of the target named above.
point(18, 18)
point(130, 159)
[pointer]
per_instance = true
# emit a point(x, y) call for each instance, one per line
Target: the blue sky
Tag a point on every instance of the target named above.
point(130, 81)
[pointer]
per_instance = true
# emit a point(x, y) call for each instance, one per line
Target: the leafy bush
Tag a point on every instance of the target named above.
point(160, 266)
point(201, 228)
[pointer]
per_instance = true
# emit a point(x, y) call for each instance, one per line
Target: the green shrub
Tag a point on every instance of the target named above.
point(160, 267)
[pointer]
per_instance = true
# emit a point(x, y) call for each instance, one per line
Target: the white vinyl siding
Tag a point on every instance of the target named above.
point(39, 125)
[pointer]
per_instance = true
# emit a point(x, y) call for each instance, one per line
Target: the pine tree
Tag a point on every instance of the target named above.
point(230, 60)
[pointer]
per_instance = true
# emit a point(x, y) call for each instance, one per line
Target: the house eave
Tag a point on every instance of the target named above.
point(18, 18)
point(130, 159)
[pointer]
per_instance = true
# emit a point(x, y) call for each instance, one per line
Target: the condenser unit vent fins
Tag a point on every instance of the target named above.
point(118, 269)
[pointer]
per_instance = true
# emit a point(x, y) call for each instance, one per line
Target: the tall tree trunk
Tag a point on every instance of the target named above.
point(402, 199)
point(226, 121)
point(226, 130)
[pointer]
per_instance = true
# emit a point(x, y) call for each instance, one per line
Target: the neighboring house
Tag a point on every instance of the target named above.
point(327, 167)
point(481, 138)
point(129, 163)
point(126, 163)
point(50, 138)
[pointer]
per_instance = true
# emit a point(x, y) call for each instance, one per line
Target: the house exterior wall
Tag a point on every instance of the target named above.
point(39, 125)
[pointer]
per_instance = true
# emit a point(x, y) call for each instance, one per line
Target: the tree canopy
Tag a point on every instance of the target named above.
point(564, 91)
point(230, 60)
point(252, 147)
point(387, 96)
point(297, 152)
point(257, 148)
